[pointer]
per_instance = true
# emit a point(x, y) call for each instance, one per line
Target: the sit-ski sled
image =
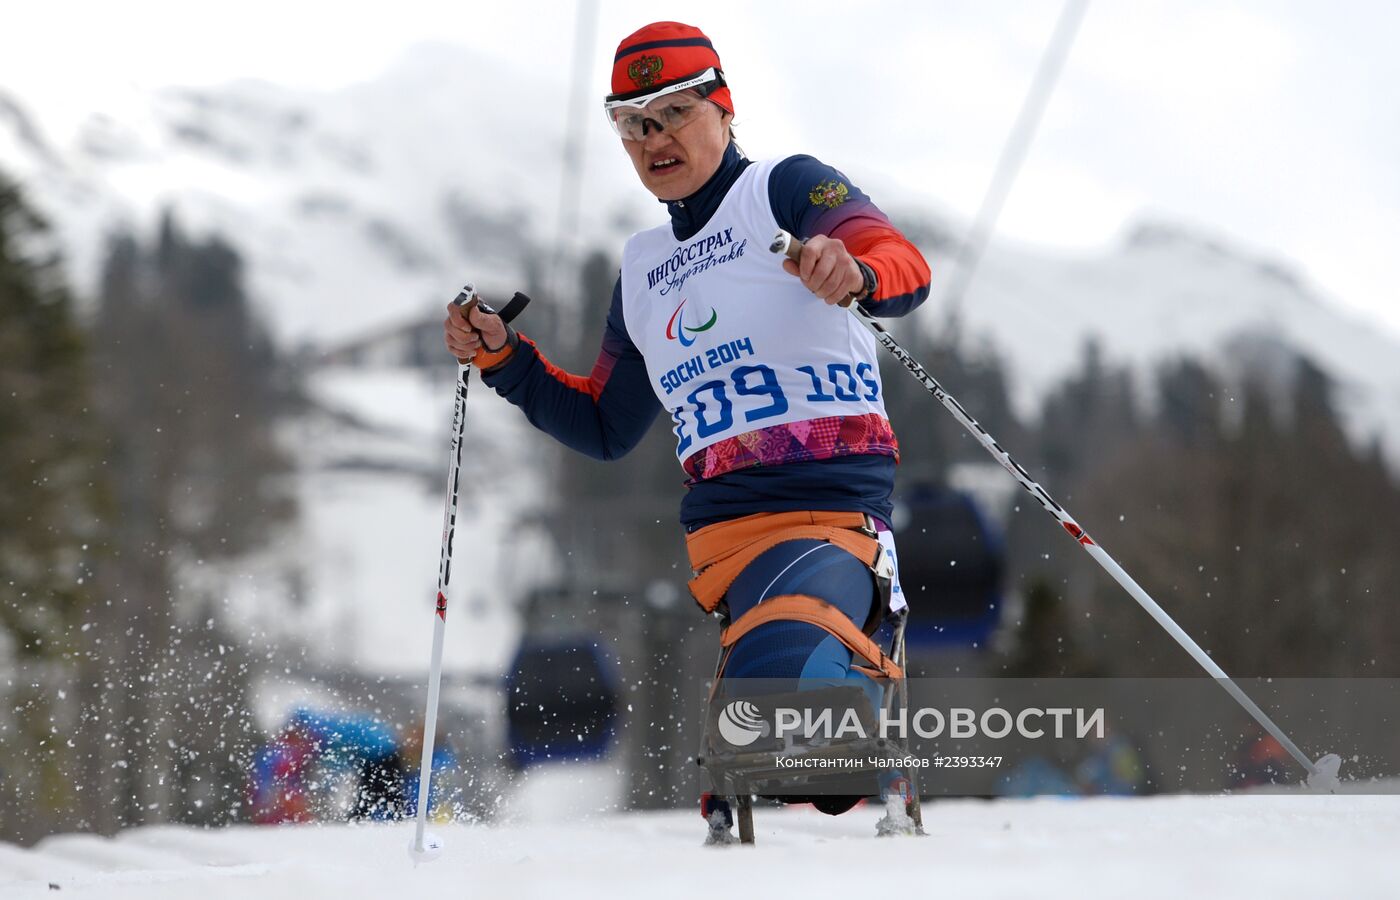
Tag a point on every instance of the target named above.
point(812, 770)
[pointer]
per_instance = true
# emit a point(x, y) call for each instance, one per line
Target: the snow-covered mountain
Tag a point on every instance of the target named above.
point(1168, 291)
point(366, 207)
point(355, 209)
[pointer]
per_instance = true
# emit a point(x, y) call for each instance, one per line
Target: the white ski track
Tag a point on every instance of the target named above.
point(1273, 846)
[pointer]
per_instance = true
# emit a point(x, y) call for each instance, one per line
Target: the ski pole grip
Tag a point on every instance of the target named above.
point(467, 299)
point(791, 247)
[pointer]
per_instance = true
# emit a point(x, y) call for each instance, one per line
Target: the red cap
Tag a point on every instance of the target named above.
point(657, 54)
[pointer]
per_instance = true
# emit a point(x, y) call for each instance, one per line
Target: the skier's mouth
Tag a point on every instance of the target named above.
point(666, 164)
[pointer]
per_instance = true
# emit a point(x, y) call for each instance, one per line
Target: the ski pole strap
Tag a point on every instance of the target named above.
point(804, 608)
point(487, 359)
point(719, 552)
point(514, 308)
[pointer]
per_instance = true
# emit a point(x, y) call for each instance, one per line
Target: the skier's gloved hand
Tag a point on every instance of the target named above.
point(828, 269)
point(481, 338)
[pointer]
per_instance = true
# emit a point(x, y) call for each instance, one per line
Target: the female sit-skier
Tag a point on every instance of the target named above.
point(773, 389)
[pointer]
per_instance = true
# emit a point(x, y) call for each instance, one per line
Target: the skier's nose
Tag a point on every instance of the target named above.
point(656, 137)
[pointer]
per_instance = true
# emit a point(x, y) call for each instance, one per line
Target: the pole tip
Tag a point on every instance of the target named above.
point(431, 849)
point(1323, 779)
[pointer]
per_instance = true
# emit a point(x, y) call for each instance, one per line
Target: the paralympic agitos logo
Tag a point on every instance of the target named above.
point(676, 328)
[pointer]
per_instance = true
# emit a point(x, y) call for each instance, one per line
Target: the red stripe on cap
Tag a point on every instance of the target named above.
point(657, 45)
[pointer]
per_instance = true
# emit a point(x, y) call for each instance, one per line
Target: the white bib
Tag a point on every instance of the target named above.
point(732, 342)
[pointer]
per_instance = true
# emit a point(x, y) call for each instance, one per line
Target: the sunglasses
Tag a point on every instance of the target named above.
point(671, 107)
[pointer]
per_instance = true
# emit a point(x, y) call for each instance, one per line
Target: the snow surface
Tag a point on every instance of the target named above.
point(1219, 846)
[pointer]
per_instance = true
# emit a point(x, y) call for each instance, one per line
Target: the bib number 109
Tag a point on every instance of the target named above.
point(714, 410)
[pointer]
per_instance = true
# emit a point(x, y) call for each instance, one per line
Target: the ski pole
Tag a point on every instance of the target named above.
point(427, 846)
point(1321, 774)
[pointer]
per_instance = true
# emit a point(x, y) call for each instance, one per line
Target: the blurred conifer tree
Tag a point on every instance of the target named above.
point(52, 490)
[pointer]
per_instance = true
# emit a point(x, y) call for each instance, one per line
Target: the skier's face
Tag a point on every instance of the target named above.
point(674, 162)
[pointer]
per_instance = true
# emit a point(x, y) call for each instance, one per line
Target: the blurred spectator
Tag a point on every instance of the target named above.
point(444, 791)
point(1260, 760)
point(1112, 765)
point(278, 783)
point(292, 773)
point(1037, 777)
